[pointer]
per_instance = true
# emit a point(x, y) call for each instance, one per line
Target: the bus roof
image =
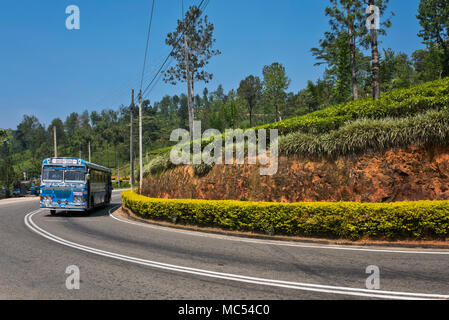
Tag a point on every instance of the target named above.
point(75, 162)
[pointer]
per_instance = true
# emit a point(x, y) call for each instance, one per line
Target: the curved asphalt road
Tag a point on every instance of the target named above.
point(123, 260)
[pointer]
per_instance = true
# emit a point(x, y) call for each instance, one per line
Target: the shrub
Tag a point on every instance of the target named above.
point(158, 164)
point(401, 220)
point(202, 169)
point(431, 128)
point(396, 103)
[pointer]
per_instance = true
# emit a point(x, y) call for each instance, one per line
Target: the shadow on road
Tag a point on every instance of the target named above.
point(97, 212)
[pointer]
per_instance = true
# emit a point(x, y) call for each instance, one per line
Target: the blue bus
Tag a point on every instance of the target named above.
point(72, 184)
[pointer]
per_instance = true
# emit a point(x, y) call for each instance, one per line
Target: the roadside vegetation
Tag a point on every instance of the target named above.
point(356, 71)
point(403, 117)
point(423, 220)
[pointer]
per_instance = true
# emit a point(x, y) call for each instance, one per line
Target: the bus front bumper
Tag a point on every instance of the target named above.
point(68, 206)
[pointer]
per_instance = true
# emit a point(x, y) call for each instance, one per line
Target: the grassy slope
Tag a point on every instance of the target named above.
point(416, 115)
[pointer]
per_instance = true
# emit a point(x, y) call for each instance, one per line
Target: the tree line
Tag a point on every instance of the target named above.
point(259, 99)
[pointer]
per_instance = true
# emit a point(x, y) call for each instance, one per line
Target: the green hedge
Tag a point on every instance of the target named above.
point(401, 220)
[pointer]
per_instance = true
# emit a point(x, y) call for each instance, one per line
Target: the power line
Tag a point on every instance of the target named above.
point(155, 78)
point(122, 88)
point(126, 84)
point(148, 42)
point(157, 73)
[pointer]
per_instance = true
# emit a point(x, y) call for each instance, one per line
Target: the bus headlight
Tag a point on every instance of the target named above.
point(77, 199)
point(47, 198)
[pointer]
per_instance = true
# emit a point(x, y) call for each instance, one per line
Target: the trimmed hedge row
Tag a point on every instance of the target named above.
point(401, 220)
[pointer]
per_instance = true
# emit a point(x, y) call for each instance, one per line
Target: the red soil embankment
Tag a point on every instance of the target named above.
point(395, 175)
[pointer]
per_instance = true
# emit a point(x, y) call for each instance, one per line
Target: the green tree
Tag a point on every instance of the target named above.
point(250, 90)
point(230, 113)
point(433, 16)
point(335, 53)
point(30, 134)
point(183, 112)
point(427, 63)
point(344, 20)
point(396, 71)
point(340, 47)
point(192, 43)
point(275, 82)
point(372, 39)
point(219, 94)
point(3, 136)
point(7, 174)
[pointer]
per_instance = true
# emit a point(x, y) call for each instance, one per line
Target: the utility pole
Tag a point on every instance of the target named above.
point(140, 144)
point(189, 87)
point(374, 56)
point(54, 141)
point(131, 146)
point(118, 172)
point(89, 153)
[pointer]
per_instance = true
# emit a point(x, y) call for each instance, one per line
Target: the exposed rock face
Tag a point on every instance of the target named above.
point(396, 175)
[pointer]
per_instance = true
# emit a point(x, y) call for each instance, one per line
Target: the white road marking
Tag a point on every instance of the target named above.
point(233, 277)
point(4, 202)
point(8, 201)
point(277, 242)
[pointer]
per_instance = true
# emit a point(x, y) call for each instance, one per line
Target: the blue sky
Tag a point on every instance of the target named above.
point(49, 71)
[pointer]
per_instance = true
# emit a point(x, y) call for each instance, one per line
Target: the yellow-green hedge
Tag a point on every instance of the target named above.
point(400, 220)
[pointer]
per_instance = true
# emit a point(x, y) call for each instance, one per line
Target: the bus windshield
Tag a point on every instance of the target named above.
point(51, 173)
point(56, 173)
point(74, 174)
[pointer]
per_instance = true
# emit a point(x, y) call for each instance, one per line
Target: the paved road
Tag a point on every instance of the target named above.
point(122, 260)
